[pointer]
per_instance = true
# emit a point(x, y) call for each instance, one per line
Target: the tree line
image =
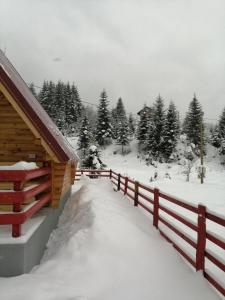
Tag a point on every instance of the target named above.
point(157, 130)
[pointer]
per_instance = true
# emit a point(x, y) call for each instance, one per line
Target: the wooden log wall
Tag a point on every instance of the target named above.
point(17, 142)
point(61, 180)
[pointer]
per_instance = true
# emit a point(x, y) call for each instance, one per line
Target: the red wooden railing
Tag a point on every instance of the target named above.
point(163, 208)
point(17, 197)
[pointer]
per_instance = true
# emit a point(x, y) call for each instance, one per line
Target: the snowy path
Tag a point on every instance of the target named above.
point(103, 249)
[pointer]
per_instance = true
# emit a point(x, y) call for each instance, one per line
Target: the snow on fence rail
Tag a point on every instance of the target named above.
point(191, 227)
point(20, 196)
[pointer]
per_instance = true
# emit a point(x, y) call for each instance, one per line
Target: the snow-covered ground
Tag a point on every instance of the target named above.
point(211, 193)
point(104, 248)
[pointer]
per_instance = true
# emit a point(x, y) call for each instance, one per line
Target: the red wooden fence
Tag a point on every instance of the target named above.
point(41, 192)
point(156, 202)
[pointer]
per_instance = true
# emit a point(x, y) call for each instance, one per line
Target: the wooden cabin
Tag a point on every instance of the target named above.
point(28, 134)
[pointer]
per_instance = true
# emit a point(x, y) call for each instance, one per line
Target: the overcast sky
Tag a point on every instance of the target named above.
point(135, 49)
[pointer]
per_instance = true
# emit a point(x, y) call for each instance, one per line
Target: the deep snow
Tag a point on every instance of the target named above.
point(104, 248)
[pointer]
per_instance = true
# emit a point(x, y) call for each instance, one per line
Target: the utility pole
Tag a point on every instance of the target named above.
point(201, 153)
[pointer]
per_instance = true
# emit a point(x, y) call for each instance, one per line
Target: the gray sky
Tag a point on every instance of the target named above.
point(135, 49)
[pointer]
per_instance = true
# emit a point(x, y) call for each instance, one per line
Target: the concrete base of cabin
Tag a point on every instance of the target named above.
point(16, 257)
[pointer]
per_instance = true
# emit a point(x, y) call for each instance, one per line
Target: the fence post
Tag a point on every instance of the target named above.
point(125, 185)
point(156, 208)
point(201, 239)
point(136, 193)
point(16, 228)
point(18, 186)
point(110, 173)
point(118, 185)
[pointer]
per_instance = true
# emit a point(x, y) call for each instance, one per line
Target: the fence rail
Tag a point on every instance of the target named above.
point(20, 194)
point(156, 202)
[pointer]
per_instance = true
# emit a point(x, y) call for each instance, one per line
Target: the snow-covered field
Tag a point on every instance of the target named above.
point(104, 248)
point(211, 193)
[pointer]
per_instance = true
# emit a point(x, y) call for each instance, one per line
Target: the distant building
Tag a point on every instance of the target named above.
point(145, 110)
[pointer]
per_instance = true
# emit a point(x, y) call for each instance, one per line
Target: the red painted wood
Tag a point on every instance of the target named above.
point(118, 183)
point(201, 239)
point(125, 185)
point(185, 255)
point(215, 240)
point(215, 219)
point(16, 230)
point(147, 198)
point(215, 261)
point(178, 202)
point(144, 187)
point(178, 232)
point(214, 283)
point(145, 207)
point(23, 175)
point(136, 193)
point(156, 208)
point(179, 218)
point(20, 196)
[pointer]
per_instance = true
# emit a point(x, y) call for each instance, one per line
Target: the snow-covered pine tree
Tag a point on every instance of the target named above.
point(120, 110)
point(47, 99)
point(103, 130)
point(114, 122)
point(156, 132)
point(77, 107)
point(92, 160)
point(171, 131)
point(32, 89)
point(118, 115)
point(43, 94)
point(84, 137)
point(68, 104)
point(193, 123)
point(142, 129)
point(131, 125)
point(222, 132)
point(122, 134)
point(215, 138)
point(60, 104)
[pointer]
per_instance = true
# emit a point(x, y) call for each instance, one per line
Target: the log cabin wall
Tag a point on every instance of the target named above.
point(61, 180)
point(17, 142)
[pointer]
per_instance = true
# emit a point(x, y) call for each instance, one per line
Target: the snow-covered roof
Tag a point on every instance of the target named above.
point(17, 88)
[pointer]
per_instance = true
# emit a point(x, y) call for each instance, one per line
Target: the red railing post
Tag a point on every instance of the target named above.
point(16, 228)
point(125, 185)
point(201, 239)
point(110, 173)
point(156, 208)
point(136, 193)
point(118, 185)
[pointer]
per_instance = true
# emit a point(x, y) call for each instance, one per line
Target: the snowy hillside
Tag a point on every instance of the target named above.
point(171, 177)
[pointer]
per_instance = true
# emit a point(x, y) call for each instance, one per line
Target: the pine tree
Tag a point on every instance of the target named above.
point(60, 105)
point(104, 130)
point(77, 108)
point(222, 132)
point(84, 137)
point(171, 131)
point(114, 122)
point(155, 140)
point(193, 123)
point(122, 134)
point(142, 129)
point(131, 125)
point(215, 138)
point(47, 99)
point(32, 89)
